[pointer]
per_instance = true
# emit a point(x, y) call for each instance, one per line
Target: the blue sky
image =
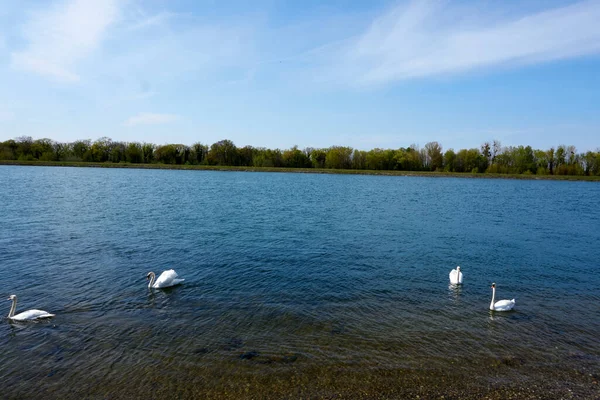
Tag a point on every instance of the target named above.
point(310, 73)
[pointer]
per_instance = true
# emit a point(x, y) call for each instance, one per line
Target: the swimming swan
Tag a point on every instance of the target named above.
point(456, 277)
point(500, 305)
point(166, 279)
point(28, 315)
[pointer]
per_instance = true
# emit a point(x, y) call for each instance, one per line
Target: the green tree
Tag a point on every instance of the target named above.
point(79, 149)
point(560, 160)
point(199, 152)
point(148, 152)
point(486, 151)
point(359, 159)
point(434, 156)
point(24, 148)
point(117, 152)
point(43, 149)
point(246, 154)
point(223, 152)
point(496, 150)
point(524, 160)
point(134, 153)
point(469, 160)
point(166, 154)
point(100, 150)
point(339, 157)
point(591, 161)
point(415, 158)
point(8, 150)
point(542, 162)
point(550, 156)
point(295, 158)
point(318, 157)
point(450, 160)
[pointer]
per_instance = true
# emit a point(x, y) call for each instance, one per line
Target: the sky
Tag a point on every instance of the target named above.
point(271, 73)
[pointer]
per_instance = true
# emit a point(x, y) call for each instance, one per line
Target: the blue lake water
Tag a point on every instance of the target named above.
point(297, 285)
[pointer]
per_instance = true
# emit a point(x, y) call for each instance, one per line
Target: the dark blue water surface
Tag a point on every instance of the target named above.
point(297, 285)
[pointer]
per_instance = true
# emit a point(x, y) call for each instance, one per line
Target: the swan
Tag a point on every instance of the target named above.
point(500, 305)
point(456, 277)
point(28, 315)
point(166, 279)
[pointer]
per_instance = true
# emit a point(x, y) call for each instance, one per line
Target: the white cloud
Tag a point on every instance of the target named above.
point(62, 35)
point(151, 119)
point(417, 40)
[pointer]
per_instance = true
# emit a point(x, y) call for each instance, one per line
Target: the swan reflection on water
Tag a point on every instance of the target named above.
point(454, 291)
point(496, 316)
point(158, 299)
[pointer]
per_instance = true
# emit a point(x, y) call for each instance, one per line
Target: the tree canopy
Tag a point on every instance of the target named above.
point(490, 157)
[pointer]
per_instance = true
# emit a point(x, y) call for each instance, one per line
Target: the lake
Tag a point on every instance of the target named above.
point(297, 285)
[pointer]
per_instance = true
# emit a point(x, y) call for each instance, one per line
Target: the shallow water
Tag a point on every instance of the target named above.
point(297, 285)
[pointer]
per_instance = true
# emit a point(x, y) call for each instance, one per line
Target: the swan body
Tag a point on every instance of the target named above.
point(166, 279)
point(500, 305)
point(28, 315)
point(456, 277)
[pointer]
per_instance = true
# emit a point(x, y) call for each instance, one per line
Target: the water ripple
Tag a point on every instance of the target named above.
point(296, 274)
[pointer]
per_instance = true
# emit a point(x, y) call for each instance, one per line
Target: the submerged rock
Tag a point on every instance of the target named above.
point(249, 355)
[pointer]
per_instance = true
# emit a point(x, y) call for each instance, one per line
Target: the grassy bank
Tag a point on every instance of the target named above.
point(300, 170)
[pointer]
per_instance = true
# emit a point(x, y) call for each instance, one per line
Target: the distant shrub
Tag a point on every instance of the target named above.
point(493, 169)
point(6, 154)
point(47, 156)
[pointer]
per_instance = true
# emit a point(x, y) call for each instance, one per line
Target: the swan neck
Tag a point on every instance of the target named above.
point(13, 308)
point(152, 279)
point(493, 298)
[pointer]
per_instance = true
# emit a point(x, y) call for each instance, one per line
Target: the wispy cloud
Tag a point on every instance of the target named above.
point(60, 36)
point(416, 39)
point(151, 21)
point(151, 119)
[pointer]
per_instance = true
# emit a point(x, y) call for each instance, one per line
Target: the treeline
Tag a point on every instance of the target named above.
point(490, 157)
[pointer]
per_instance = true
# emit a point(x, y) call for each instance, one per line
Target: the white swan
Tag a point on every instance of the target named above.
point(500, 305)
point(28, 315)
point(456, 277)
point(166, 279)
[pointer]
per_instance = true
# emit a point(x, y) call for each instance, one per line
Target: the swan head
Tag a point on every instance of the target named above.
point(493, 285)
point(12, 297)
point(458, 269)
point(149, 275)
